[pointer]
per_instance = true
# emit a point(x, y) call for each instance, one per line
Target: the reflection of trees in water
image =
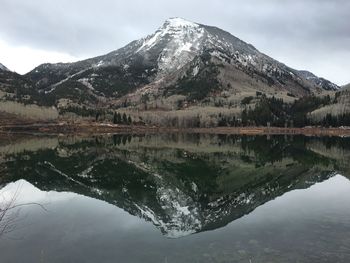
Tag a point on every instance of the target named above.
point(10, 211)
point(218, 178)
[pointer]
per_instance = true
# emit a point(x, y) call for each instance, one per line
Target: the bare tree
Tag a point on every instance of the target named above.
point(9, 211)
point(8, 214)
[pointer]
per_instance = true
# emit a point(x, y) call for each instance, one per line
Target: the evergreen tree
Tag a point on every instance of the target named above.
point(115, 121)
point(129, 120)
point(125, 119)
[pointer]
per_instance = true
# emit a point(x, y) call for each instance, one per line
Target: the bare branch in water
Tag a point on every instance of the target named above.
point(9, 212)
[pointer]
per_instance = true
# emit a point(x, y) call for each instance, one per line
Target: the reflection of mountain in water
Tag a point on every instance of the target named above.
point(182, 184)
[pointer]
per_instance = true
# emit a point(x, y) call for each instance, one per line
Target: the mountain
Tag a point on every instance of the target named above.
point(21, 102)
point(15, 87)
point(183, 75)
point(182, 58)
point(320, 82)
point(346, 87)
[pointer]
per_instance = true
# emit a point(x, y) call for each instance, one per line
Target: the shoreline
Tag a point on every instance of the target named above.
point(105, 128)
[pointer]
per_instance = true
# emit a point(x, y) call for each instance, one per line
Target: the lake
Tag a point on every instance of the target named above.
point(175, 198)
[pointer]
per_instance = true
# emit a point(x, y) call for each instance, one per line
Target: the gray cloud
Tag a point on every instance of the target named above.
point(307, 34)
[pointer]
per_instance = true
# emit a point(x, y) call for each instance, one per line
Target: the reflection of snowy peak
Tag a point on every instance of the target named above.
point(180, 191)
point(178, 210)
point(183, 215)
point(180, 216)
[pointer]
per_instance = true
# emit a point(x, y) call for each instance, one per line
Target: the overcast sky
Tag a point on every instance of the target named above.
point(304, 34)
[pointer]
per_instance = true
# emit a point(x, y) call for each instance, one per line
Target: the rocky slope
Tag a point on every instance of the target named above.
point(320, 82)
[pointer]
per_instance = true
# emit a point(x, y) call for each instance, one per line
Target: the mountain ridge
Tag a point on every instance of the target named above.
point(347, 86)
point(171, 48)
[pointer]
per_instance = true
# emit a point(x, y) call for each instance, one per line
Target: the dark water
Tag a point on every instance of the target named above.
point(175, 198)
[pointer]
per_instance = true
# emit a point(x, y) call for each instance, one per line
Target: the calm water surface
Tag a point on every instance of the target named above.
point(175, 198)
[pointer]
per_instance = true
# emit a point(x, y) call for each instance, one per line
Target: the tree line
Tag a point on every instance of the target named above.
point(256, 111)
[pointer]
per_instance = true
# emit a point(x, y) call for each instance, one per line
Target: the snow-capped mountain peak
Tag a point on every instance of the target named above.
point(177, 22)
point(176, 43)
point(173, 28)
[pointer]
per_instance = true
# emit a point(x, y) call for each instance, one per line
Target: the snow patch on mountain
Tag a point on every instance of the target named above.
point(100, 63)
point(86, 83)
point(180, 41)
